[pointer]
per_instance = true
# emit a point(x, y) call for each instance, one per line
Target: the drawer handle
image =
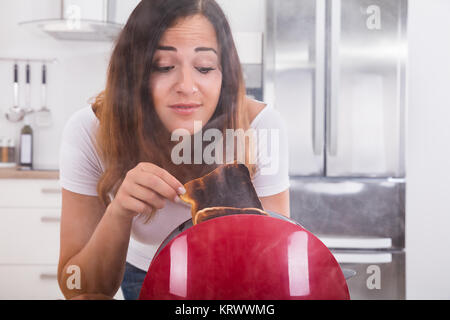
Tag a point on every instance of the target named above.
point(50, 190)
point(50, 219)
point(48, 276)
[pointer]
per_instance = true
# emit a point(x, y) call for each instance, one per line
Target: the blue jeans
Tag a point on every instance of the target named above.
point(132, 282)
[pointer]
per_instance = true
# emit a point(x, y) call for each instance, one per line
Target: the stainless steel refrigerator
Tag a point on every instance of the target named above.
point(335, 69)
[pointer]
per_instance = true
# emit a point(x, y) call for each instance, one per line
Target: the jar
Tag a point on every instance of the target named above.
point(11, 151)
point(3, 150)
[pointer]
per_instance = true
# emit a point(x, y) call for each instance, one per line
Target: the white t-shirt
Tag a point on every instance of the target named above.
point(81, 169)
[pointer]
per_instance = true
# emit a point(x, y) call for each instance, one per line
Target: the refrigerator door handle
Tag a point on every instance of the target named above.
point(333, 76)
point(363, 258)
point(356, 243)
point(319, 80)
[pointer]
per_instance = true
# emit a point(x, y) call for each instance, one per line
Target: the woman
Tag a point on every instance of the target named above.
point(174, 63)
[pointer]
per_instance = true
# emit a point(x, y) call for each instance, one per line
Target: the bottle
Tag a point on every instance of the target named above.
point(26, 146)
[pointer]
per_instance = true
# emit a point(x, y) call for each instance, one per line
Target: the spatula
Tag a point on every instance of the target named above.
point(44, 115)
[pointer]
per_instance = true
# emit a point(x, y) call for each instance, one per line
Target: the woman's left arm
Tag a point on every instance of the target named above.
point(278, 203)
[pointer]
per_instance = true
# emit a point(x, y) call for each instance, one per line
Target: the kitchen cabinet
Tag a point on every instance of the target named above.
point(29, 235)
point(30, 193)
point(29, 282)
point(30, 211)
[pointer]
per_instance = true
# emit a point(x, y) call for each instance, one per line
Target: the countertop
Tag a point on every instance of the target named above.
point(15, 173)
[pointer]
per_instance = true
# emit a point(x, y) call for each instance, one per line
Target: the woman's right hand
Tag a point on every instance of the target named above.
point(144, 190)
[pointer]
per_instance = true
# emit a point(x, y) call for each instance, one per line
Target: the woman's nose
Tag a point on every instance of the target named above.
point(186, 83)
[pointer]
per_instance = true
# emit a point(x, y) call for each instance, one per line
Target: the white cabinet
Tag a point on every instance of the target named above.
point(29, 282)
point(30, 212)
point(22, 193)
point(29, 236)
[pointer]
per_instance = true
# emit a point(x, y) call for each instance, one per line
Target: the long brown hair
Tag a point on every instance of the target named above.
point(129, 130)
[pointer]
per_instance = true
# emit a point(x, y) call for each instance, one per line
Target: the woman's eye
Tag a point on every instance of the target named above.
point(163, 68)
point(205, 70)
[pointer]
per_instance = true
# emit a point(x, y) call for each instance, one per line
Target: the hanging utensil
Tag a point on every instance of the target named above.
point(15, 113)
point(43, 115)
point(28, 108)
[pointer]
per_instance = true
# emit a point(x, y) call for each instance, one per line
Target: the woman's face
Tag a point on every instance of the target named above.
point(186, 77)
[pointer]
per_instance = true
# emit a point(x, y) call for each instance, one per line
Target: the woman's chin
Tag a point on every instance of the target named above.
point(186, 129)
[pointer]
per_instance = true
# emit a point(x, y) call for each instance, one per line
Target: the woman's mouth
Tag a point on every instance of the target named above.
point(185, 109)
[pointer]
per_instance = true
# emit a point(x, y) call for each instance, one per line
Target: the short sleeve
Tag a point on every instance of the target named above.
point(272, 168)
point(79, 164)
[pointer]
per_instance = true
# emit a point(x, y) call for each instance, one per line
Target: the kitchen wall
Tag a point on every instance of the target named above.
point(77, 75)
point(428, 191)
point(80, 71)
